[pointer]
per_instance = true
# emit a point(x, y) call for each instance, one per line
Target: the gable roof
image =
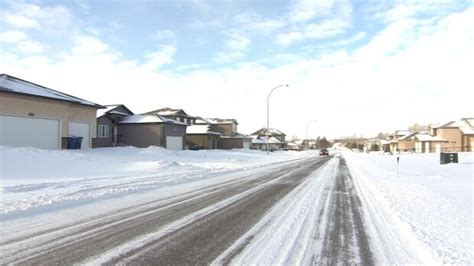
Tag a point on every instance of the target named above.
point(271, 132)
point(166, 111)
point(15, 85)
point(110, 109)
point(466, 125)
point(220, 121)
point(148, 119)
point(427, 137)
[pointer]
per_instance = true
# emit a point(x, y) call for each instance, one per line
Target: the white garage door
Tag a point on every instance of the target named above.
point(77, 129)
point(246, 145)
point(29, 132)
point(174, 143)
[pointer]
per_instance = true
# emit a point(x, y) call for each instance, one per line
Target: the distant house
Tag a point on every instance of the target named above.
point(176, 114)
point(32, 115)
point(107, 125)
point(230, 138)
point(393, 139)
point(202, 135)
point(152, 130)
point(276, 139)
point(459, 134)
point(407, 142)
point(425, 143)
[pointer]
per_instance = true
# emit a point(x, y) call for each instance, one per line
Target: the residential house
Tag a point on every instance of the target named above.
point(32, 115)
point(107, 125)
point(407, 142)
point(202, 134)
point(176, 114)
point(152, 130)
point(425, 143)
point(276, 139)
point(393, 139)
point(460, 135)
point(230, 138)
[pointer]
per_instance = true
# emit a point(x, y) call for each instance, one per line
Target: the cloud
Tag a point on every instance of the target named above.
point(166, 36)
point(21, 21)
point(21, 42)
point(325, 29)
point(236, 47)
point(27, 15)
point(304, 10)
point(88, 45)
point(164, 56)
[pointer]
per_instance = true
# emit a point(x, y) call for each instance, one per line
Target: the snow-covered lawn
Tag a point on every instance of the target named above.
point(420, 213)
point(33, 179)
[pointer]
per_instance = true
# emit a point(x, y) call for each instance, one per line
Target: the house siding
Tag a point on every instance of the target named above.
point(104, 142)
point(141, 135)
point(454, 137)
point(205, 140)
point(30, 106)
point(224, 129)
point(406, 145)
point(230, 143)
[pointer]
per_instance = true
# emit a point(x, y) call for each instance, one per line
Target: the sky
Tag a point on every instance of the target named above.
point(353, 67)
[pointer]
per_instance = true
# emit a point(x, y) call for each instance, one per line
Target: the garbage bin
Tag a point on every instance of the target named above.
point(74, 142)
point(448, 157)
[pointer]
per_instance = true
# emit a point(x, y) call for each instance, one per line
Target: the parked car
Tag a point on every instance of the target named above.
point(196, 147)
point(323, 152)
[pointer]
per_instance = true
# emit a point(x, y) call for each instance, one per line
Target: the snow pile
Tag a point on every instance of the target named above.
point(420, 211)
point(32, 178)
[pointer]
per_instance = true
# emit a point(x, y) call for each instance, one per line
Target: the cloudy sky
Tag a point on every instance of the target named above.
point(357, 67)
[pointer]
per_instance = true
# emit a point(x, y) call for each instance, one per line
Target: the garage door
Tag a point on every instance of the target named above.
point(246, 145)
point(29, 132)
point(77, 129)
point(174, 143)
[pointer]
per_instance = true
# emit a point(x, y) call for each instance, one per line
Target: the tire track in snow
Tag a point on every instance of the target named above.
point(74, 243)
point(320, 222)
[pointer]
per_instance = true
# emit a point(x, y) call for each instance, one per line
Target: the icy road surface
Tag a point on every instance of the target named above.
point(303, 210)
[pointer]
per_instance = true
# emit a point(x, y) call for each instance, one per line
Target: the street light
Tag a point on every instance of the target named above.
point(307, 125)
point(268, 111)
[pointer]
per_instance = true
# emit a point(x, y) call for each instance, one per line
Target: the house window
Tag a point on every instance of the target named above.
point(185, 120)
point(103, 131)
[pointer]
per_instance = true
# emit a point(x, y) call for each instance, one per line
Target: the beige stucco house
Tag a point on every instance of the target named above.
point(32, 115)
point(460, 135)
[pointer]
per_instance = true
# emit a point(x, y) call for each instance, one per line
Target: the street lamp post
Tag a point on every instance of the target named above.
point(268, 112)
point(307, 125)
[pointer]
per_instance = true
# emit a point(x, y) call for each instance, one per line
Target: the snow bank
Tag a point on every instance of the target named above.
point(418, 211)
point(32, 178)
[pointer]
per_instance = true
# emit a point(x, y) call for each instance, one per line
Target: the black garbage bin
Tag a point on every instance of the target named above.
point(74, 142)
point(448, 157)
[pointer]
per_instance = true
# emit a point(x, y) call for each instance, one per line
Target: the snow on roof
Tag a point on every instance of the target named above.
point(102, 112)
point(147, 119)
point(201, 129)
point(465, 125)
point(16, 85)
point(263, 140)
point(271, 131)
point(221, 121)
point(427, 137)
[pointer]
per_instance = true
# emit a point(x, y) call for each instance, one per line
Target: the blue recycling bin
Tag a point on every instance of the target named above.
point(74, 143)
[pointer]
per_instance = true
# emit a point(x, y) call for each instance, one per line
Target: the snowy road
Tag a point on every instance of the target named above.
point(301, 211)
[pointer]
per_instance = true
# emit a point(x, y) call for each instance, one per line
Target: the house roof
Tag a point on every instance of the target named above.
point(263, 140)
point(110, 110)
point(409, 135)
point(148, 119)
point(221, 121)
point(237, 136)
point(466, 125)
point(166, 111)
point(271, 131)
point(201, 129)
point(427, 137)
point(19, 86)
